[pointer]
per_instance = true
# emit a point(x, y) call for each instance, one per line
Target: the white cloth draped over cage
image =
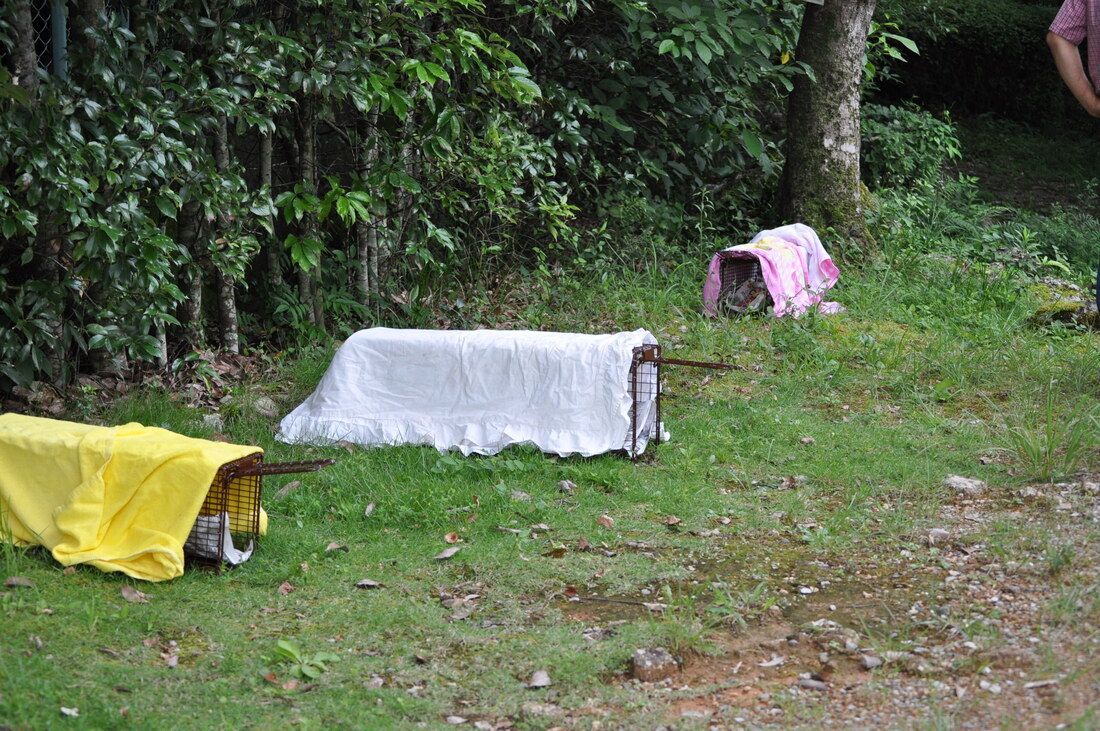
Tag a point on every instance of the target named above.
point(480, 391)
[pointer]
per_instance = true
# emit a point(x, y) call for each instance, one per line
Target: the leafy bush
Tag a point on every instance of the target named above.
point(905, 144)
point(951, 218)
point(981, 55)
point(406, 146)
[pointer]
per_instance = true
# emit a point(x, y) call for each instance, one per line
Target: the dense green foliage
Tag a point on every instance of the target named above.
point(981, 56)
point(904, 144)
point(411, 145)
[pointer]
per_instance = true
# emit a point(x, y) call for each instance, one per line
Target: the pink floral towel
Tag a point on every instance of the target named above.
point(796, 268)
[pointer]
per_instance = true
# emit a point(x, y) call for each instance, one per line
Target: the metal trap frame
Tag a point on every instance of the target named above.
point(232, 505)
point(645, 385)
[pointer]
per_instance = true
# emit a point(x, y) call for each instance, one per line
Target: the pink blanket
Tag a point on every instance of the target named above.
point(796, 268)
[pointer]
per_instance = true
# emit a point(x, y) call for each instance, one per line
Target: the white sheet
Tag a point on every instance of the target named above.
point(476, 391)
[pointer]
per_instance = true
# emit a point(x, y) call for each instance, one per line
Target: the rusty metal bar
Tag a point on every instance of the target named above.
point(648, 356)
point(284, 468)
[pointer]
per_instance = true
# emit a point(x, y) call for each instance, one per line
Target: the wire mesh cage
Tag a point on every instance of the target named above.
point(645, 399)
point(741, 286)
point(645, 395)
point(230, 513)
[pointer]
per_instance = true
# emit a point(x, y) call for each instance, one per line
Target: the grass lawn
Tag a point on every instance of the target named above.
point(806, 482)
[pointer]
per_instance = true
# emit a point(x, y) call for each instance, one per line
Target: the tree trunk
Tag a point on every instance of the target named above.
point(274, 271)
point(227, 296)
point(86, 15)
point(307, 171)
point(821, 184)
point(23, 57)
point(366, 230)
point(188, 235)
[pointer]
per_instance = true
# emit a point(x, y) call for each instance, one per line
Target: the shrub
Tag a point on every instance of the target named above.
point(981, 55)
point(905, 144)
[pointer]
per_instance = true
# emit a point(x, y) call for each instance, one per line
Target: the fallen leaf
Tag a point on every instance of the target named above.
point(285, 588)
point(671, 521)
point(539, 679)
point(134, 596)
point(456, 720)
point(109, 652)
point(583, 544)
point(304, 567)
point(70, 712)
point(287, 489)
point(452, 538)
point(506, 529)
point(471, 517)
point(124, 711)
point(368, 584)
point(446, 553)
point(367, 511)
point(69, 571)
point(807, 440)
point(36, 642)
point(570, 591)
point(540, 528)
point(567, 486)
point(521, 496)
point(350, 447)
point(656, 607)
point(775, 662)
point(723, 520)
point(271, 678)
point(334, 546)
point(291, 684)
point(557, 550)
point(18, 582)
point(605, 520)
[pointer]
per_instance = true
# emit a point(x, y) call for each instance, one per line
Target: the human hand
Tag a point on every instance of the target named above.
point(1092, 105)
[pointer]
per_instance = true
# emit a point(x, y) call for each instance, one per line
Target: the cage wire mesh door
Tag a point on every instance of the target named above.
point(230, 514)
point(645, 395)
point(741, 286)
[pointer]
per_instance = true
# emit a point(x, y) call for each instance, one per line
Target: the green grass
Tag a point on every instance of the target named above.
point(913, 383)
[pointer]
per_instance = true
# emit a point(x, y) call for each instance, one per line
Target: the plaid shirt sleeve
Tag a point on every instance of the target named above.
point(1071, 22)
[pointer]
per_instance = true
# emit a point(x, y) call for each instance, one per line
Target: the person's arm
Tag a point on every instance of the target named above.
point(1068, 60)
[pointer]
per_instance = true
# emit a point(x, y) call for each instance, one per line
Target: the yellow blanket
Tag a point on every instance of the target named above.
point(120, 498)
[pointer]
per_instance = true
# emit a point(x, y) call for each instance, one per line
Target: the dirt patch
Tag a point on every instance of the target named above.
point(988, 628)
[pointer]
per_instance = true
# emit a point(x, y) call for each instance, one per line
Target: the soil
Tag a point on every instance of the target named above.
point(981, 629)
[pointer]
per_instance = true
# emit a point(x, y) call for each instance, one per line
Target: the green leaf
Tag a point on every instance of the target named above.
point(666, 46)
point(166, 206)
point(703, 50)
point(752, 142)
point(909, 43)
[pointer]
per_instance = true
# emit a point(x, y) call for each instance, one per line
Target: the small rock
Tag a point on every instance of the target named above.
point(533, 708)
point(807, 440)
point(870, 662)
point(265, 407)
point(964, 485)
point(654, 664)
point(811, 684)
point(539, 679)
point(994, 688)
point(456, 720)
point(214, 421)
point(937, 536)
point(567, 486)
